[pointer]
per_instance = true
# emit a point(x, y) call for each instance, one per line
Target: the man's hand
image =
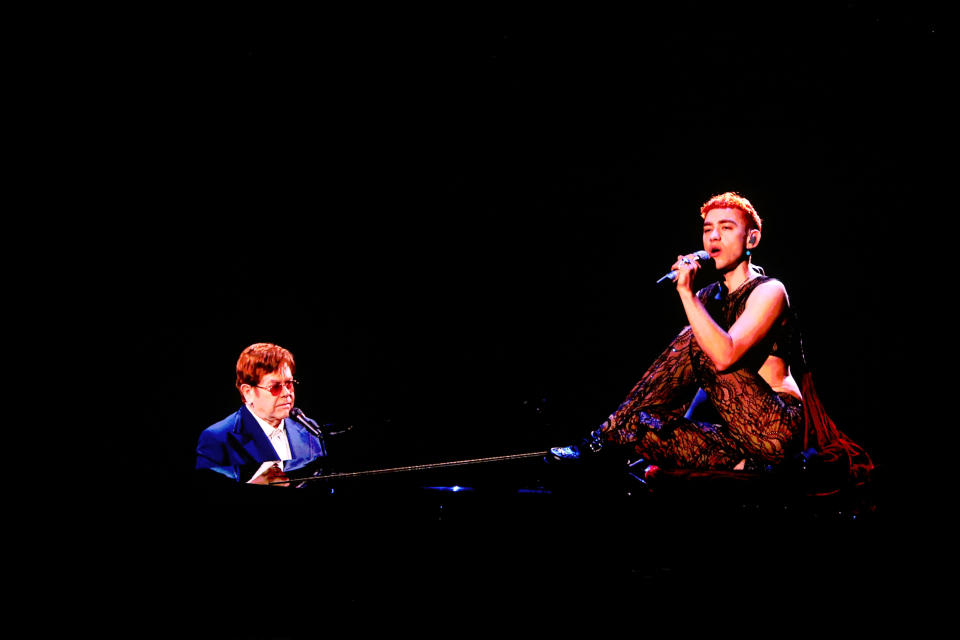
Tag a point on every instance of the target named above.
point(272, 475)
point(686, 268)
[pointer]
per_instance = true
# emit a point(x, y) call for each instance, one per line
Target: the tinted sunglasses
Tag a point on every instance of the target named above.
point(277, 387)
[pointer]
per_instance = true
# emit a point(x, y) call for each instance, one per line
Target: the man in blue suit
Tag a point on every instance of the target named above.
point(260, 443)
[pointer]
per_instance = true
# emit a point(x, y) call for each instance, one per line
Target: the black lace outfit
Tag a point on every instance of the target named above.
point(756, 424)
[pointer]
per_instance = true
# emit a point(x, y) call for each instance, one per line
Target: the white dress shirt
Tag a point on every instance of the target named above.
point(277, 437)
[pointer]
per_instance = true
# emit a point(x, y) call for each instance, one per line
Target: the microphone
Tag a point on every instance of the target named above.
point(699, 256)
point(311, 426)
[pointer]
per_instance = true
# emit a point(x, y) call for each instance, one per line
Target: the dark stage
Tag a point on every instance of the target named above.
point(455, 222)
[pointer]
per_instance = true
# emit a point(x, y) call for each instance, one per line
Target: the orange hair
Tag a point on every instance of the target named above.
point(258, 360)
point(731, 200)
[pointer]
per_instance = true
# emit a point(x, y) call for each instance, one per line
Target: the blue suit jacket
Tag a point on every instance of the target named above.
point(238, 441)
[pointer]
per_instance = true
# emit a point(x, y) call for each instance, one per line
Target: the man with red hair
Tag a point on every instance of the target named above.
point(259, 443)
point(738, 350)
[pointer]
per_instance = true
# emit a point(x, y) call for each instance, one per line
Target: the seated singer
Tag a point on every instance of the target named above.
point(738, 349)
point(260, 443)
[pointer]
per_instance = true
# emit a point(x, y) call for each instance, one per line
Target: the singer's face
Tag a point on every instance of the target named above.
point(725, 236)
point(271, 408)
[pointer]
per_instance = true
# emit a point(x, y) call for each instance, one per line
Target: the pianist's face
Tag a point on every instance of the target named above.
point(262, 402)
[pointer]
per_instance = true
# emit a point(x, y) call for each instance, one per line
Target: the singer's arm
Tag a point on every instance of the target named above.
point(725, 348)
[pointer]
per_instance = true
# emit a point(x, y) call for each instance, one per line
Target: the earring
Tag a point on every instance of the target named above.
point(748, 253)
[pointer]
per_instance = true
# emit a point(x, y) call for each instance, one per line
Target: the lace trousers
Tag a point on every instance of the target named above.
point(758, 424)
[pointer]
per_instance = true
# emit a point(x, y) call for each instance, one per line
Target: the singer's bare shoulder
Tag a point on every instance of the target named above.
point(768, 298)
point(765, 304)
point(771, 287)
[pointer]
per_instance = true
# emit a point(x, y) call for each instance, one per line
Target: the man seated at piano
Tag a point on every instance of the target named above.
point(261, 443)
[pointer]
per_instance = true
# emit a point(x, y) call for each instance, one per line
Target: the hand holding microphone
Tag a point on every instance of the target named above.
point(687, 263)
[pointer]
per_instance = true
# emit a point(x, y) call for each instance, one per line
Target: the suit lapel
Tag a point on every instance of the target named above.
point(302, 443)
point(304, 448)
point(252, 439)
point(298, 438)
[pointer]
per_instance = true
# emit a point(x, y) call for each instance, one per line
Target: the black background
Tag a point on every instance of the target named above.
point(449, 217)
point(455, 218)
